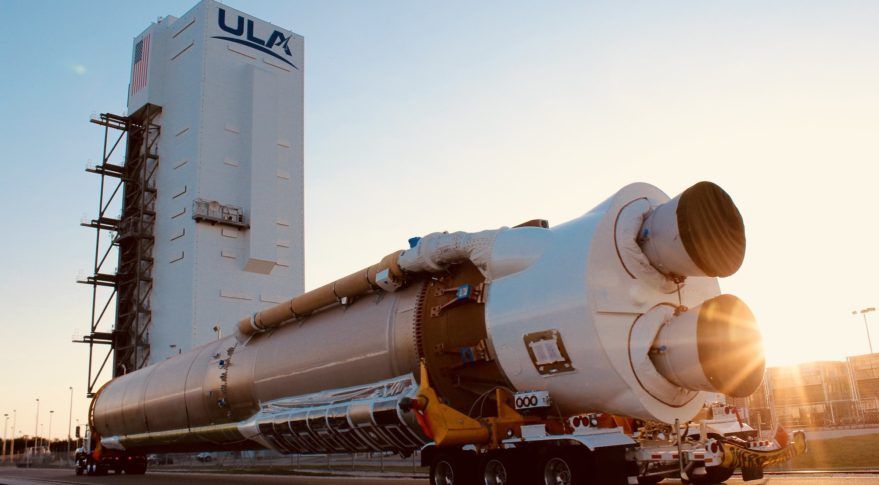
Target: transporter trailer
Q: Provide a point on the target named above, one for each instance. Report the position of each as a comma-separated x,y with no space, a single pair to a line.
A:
525,444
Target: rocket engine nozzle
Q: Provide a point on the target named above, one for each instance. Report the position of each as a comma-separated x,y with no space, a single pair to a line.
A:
715,347
698,233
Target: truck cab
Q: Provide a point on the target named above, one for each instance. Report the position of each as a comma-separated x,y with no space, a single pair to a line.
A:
93,459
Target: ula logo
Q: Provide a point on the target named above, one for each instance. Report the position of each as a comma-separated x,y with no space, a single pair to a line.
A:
251,40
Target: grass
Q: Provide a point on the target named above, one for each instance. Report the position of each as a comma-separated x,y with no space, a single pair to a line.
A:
852,452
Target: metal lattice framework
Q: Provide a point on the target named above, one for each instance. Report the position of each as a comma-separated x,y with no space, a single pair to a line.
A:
131,240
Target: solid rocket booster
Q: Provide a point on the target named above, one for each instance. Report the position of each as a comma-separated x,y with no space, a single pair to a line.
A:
617,311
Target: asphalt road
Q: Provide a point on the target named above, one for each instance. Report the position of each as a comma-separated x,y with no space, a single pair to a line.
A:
20,476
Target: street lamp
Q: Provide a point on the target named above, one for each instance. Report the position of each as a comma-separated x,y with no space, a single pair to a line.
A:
864,313
49,438
37,425
69,421
5,424
12,450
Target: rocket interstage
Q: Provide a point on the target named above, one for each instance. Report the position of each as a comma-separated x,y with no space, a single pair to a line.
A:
617,311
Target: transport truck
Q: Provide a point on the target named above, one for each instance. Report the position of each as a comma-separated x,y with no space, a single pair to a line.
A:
93,459
572,354
710,448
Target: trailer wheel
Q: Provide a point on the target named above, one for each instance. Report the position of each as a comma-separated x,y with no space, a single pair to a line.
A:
501,469
577,465
494,471
649,480
136,469
559,469
450,469
714,474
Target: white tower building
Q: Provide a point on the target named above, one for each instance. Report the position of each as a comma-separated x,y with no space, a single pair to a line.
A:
226,162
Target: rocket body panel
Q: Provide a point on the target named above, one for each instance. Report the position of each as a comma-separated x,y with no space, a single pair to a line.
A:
226,380
579,288
368,341
553,295
622,295
166,391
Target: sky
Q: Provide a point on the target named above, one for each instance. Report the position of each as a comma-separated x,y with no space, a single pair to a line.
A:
425,116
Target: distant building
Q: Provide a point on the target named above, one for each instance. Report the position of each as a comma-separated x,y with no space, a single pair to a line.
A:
825,393
865,376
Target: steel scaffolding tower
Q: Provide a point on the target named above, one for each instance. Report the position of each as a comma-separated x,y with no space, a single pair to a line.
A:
131,239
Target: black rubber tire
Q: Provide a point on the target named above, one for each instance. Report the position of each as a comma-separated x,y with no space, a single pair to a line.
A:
452,468
714,474
136,469
513,472
607,466
649,480
564,467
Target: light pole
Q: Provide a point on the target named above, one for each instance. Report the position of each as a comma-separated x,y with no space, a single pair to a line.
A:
864,313
37,423
36,432
12,450
49,438
5,424
69,421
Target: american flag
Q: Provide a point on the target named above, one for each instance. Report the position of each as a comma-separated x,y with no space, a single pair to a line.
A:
141,61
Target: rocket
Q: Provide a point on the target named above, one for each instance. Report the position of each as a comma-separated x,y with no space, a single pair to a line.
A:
617,311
